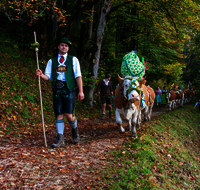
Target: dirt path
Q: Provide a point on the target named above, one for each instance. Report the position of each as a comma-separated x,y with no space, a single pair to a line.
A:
26,164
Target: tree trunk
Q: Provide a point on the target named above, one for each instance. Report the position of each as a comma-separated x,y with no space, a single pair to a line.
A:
100,33
91,24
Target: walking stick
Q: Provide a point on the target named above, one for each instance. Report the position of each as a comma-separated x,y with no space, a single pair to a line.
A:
36,51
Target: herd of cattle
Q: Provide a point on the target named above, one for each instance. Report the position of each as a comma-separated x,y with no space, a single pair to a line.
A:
134,99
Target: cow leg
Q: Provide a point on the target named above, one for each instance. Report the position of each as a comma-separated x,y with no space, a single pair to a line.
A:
170,106
119,121
150,111
138,123
134,123
145,113
182,101
174,107
128,128
139,120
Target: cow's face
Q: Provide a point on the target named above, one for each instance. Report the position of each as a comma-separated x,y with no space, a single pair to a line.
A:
131,89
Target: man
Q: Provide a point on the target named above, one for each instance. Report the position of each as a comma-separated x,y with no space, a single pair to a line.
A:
190,85
64,71
105,87
197,103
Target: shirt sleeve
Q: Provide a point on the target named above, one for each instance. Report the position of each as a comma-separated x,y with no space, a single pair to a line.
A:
48,70
196,104
76,67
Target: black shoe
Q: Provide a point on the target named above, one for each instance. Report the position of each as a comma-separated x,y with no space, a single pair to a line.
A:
110,115
59,142
75,135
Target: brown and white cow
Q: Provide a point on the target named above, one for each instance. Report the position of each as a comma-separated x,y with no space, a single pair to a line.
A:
171,99
147,101
152,96
127,103
179,98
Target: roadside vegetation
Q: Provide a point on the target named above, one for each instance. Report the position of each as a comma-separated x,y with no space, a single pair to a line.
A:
166,155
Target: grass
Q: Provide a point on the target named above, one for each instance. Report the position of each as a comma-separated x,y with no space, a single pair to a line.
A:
165,157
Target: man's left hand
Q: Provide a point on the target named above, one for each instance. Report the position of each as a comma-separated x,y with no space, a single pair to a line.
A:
80,96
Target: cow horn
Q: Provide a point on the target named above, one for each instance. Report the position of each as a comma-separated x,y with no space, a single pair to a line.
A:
143,79
121,80
119,77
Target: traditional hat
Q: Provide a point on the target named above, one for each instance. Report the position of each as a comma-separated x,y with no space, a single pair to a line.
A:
65,40
131,66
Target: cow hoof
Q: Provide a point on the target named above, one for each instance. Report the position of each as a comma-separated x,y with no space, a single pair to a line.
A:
121,130
137,126
134,135
128,129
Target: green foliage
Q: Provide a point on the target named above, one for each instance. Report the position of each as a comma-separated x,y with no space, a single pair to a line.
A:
159,159
88,80
157,30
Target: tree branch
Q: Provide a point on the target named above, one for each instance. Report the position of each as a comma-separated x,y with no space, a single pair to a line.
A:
169,16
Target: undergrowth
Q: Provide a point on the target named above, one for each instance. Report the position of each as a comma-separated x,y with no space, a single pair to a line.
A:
165,157
20,99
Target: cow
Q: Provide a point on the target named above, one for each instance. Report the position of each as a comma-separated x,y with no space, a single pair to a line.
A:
171,99
152,96
147,101
179,97
127,103
144,106
187,95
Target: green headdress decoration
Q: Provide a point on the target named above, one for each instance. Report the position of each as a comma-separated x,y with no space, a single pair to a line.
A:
131,66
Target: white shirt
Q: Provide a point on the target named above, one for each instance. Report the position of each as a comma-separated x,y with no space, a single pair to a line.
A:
61,76
106,82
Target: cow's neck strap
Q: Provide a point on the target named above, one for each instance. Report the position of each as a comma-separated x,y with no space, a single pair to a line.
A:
142,104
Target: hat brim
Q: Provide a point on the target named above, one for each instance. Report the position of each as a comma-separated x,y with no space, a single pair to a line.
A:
65,43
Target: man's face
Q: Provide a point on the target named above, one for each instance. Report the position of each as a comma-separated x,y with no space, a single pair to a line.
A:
63,48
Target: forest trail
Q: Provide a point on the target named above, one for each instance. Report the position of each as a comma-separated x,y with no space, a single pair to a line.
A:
26,163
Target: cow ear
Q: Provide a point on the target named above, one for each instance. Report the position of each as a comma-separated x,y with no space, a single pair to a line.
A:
121,80
143,80
140,83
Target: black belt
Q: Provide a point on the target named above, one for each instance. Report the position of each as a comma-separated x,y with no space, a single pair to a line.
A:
60,84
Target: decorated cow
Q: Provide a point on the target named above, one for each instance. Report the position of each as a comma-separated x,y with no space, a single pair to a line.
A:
127,103
131,95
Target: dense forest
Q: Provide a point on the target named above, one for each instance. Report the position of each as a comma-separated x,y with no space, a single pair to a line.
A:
164,33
